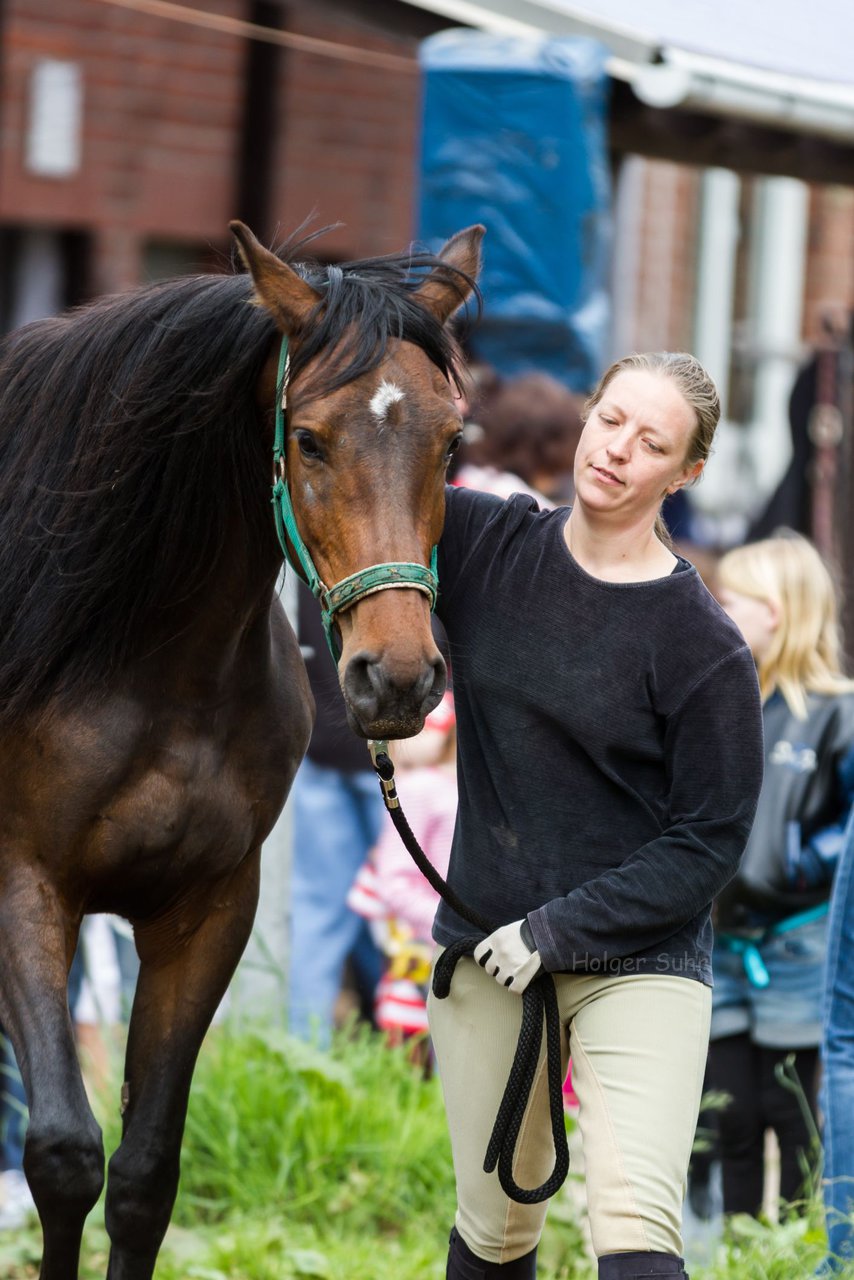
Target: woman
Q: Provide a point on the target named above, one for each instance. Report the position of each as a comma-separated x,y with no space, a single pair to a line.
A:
771,944
609,762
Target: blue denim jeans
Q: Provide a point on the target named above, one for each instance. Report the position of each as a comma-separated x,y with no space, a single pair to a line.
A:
785,1014
337,818
13,1109
837,1101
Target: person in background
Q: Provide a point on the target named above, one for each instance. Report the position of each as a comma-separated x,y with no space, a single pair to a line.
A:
99,1010
16,1200
520,437
771,920
391,891
610,758
824,383
338,810
837,1051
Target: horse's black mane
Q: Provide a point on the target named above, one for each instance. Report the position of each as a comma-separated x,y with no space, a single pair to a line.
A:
129,434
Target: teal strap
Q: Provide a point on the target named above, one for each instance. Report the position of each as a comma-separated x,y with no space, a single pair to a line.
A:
365,582
380,577
754,965
283,509
281,400
286,528
803,917
749,949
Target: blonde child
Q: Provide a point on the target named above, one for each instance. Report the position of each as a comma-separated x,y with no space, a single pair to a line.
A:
771,920
391,890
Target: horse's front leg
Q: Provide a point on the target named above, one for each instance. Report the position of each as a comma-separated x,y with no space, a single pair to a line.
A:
176,998
63,1152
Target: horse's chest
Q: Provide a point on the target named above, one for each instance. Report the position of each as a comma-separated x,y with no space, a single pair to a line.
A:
187,813
170,811
198,803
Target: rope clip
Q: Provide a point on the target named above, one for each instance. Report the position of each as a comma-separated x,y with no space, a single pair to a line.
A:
384,768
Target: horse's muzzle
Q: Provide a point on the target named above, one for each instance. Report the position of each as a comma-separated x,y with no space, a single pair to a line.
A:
382,703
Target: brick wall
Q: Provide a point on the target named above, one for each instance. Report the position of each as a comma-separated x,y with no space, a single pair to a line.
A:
668,224
666,260
163,127
348,146
830,264
161,113
162,138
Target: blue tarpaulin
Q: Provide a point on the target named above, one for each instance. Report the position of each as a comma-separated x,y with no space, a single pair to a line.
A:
514,136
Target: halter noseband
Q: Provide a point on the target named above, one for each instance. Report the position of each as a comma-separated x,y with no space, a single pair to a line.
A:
365,582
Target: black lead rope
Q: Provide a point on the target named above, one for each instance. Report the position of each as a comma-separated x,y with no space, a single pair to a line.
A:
539,1001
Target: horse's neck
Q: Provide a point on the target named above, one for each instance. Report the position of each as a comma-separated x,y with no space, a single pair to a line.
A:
222,638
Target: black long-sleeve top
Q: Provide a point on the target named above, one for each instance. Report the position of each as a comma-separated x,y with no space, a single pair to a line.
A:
610,746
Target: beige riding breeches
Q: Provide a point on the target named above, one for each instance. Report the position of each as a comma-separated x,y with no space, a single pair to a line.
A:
638,1044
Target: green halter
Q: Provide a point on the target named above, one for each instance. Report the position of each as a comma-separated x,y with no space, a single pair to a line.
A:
344,594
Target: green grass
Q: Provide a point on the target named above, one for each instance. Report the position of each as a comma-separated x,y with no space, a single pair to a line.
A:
355,1134
760,1251
301,1165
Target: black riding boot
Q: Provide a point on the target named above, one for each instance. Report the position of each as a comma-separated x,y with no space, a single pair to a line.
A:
465,1265
640,1266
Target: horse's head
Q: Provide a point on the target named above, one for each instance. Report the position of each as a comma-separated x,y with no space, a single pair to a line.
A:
372,419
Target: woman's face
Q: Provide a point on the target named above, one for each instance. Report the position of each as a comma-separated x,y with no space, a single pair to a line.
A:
756,619
633,447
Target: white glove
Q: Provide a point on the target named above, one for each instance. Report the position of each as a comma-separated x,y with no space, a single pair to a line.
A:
506,956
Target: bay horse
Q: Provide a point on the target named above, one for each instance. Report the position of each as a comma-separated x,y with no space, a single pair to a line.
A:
153,703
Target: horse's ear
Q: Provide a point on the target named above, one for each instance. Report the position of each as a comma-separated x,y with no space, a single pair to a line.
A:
443,293
287,297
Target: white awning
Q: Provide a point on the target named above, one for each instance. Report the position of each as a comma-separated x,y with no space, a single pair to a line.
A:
782,63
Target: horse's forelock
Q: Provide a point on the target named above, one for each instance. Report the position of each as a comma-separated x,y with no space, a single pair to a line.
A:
364,305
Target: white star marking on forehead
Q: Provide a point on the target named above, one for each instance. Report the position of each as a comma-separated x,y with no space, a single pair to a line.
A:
386,394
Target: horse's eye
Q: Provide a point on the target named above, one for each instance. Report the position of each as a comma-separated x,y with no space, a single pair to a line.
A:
454,445
308,446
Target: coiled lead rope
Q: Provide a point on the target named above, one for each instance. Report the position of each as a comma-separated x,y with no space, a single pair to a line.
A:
539,1002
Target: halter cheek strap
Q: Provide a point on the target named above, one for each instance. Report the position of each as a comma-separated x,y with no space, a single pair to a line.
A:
350,590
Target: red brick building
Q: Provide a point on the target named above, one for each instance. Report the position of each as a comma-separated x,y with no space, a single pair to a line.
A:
128,139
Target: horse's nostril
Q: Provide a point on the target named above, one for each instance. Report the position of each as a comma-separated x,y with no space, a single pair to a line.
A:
437,679
363,684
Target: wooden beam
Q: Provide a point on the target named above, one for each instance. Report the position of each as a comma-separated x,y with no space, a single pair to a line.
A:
687,137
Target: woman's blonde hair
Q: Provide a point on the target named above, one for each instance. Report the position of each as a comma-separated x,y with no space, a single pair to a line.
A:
696,387
804,656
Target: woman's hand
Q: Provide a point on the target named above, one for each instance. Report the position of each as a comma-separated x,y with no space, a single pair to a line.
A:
509,958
